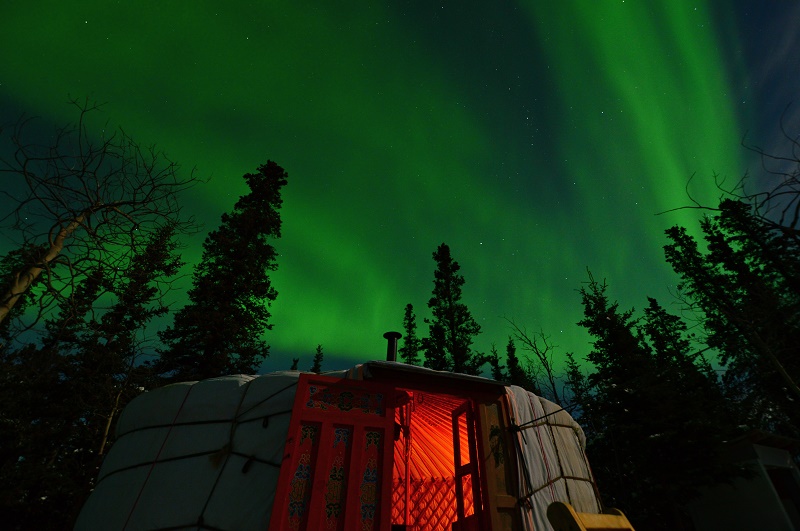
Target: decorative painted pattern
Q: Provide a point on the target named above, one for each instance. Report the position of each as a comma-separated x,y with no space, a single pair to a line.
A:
336,486
341,435
300,487
369,489
334,493
353,400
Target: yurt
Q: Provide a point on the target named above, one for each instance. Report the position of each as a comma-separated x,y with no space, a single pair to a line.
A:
384,446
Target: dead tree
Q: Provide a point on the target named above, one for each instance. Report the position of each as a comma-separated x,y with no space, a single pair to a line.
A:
542,366
774,197
86,199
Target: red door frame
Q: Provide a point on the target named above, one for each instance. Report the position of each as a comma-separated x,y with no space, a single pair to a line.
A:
323,406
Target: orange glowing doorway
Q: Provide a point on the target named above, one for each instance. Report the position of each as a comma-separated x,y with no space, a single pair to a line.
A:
435,477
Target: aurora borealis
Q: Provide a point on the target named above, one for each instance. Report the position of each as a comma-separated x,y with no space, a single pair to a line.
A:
537,139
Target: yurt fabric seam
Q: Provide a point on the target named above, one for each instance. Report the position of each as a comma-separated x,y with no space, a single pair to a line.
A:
203,422
539,422
544,459
558,460
153,464
226,451
267,399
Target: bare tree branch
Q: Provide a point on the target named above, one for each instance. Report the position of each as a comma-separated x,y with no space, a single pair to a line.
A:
87,199
779,204
542,366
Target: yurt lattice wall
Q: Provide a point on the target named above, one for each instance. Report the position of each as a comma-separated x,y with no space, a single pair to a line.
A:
423,482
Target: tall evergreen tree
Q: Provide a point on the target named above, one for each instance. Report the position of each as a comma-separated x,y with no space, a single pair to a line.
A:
652,411
518,374
114,349
318,356
451,329
412,345
515,372
747,286
498,372
220,330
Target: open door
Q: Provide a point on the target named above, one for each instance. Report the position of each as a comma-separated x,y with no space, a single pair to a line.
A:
336,471
466,467
500,467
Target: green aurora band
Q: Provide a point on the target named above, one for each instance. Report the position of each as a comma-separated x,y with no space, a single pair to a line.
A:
537,141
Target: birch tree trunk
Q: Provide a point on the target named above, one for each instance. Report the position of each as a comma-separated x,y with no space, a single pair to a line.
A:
24,279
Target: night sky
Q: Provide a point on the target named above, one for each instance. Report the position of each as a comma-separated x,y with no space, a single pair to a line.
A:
537,139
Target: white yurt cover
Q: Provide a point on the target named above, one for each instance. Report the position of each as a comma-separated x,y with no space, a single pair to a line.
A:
551,459
172,467
207,455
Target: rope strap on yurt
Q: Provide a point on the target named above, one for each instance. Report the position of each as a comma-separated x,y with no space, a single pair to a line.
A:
263,400
538,422
558,460
537,425
219,457
518,439
153,464
552,481
533,423
264,419
225,452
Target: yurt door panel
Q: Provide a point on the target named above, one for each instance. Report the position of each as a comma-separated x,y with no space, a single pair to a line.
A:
499,467
467,480
339,446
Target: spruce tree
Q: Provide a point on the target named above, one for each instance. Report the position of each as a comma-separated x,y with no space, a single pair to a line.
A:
47,463
514,372
746,285
518,374
318,356
451,329
220,331
412,345
651,409
493,359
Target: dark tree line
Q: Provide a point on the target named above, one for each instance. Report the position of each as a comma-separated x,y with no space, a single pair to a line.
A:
96,225
656,411
652,409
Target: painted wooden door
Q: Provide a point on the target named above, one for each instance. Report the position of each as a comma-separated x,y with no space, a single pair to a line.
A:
467,477
499,481
337,467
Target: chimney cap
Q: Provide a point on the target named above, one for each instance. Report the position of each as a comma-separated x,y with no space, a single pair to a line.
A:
392,335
